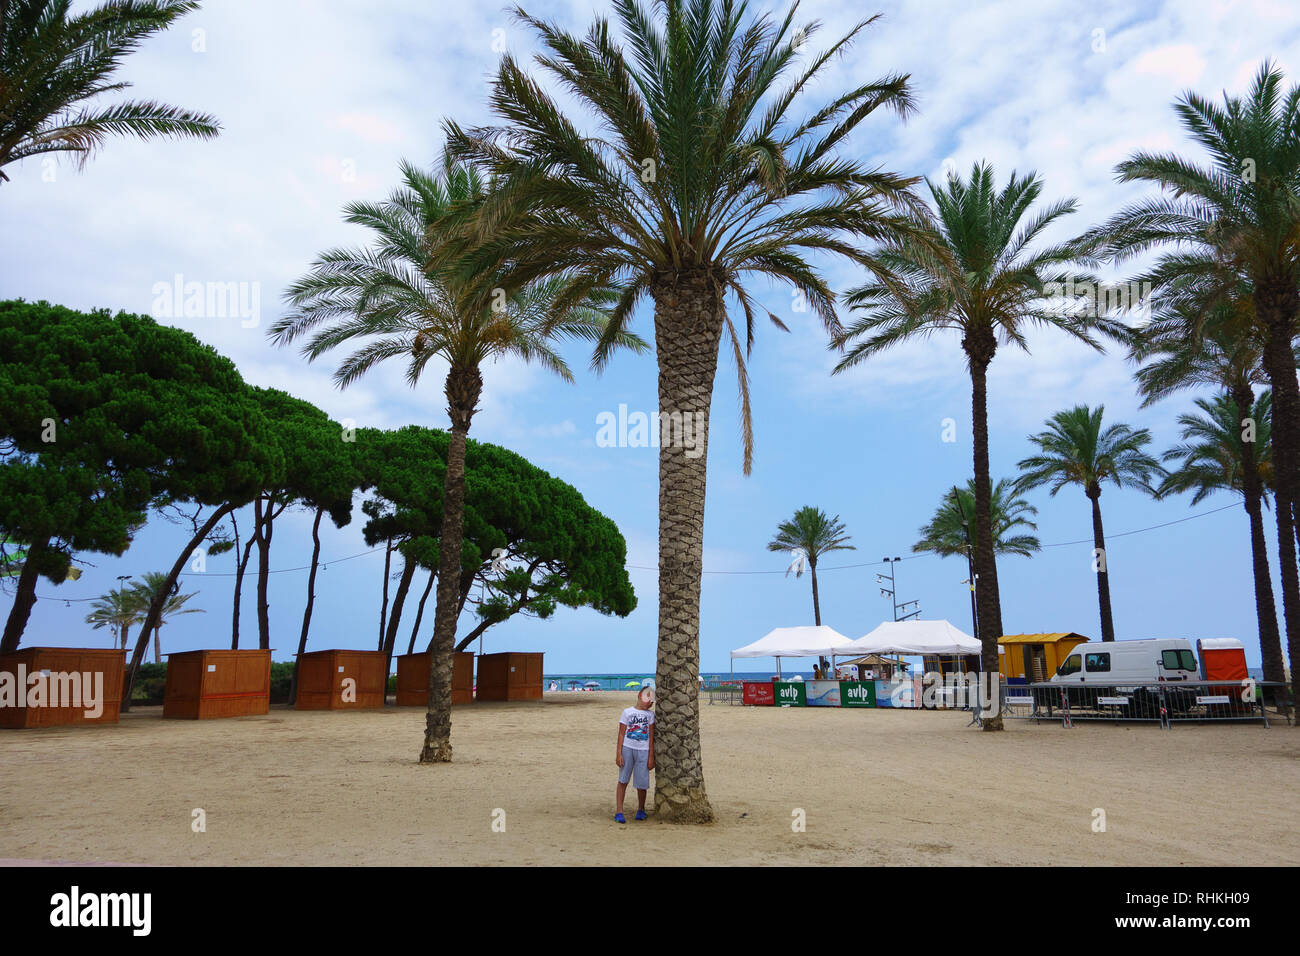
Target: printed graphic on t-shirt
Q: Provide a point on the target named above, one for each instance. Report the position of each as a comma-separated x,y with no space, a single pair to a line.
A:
638,724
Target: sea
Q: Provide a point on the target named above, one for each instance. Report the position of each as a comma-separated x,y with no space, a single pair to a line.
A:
634,679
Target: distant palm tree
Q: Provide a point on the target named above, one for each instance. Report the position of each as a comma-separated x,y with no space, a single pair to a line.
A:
1202,336
951,530
811,534
146,590
118,609
983,272
1241,213
1215,457
700,166
1076,450
390,302
52,64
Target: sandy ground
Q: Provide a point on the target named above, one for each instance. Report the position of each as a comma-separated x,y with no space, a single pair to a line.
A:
875,786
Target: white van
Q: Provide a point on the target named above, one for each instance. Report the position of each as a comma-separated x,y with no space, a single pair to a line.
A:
1128,663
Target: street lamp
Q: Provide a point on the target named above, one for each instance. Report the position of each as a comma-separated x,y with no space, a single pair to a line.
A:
891,591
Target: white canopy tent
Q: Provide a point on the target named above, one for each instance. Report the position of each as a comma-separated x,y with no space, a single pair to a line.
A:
915,637
809,641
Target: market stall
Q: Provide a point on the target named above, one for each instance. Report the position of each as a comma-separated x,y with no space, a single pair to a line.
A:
809,641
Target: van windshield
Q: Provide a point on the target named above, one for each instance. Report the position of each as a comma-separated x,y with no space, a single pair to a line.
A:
1072,665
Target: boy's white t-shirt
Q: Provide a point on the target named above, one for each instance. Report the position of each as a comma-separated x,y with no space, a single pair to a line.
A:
638,724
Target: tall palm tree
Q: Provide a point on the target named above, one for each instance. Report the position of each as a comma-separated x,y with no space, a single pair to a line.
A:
119,609
811,534
1200,336
1076,450
982,271
391,302
1213,457
1242,209
147,589
52,64
695,176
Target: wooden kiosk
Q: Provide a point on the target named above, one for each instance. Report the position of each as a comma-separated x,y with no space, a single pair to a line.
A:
341,680
63,676
413,679
207,684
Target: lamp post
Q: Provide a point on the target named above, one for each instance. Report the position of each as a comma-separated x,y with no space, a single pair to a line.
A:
891,592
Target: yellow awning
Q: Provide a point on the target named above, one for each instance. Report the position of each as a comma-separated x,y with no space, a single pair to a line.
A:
1040,638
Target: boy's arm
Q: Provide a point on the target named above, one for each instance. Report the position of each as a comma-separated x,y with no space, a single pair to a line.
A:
650,757
618,746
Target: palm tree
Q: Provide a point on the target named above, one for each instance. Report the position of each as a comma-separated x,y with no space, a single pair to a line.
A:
1201,337
809,535
982,272
118,609
1215,457
1241,212
52,64
391,302
1076,450
695,176
146,590
949,531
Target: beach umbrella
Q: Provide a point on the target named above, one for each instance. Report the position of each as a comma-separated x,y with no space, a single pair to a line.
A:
592,683
633,683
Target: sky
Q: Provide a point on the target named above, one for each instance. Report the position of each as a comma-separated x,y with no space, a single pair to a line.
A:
318,104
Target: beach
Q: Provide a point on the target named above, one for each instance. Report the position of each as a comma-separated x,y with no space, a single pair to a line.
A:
533,783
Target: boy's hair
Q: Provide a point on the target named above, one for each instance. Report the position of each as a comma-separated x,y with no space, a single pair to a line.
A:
646,694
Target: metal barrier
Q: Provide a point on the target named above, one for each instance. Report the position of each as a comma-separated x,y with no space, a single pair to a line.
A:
727,692
1163,702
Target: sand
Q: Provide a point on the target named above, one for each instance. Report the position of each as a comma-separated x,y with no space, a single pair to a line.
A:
875,787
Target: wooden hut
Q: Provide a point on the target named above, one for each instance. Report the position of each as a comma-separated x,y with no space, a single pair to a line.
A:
341,680
509,676
211,683
67,680
1035,657
413,679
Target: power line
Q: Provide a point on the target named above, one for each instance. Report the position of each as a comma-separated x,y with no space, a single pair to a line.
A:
647,567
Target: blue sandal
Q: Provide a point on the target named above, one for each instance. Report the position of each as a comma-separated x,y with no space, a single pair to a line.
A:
619,818
640,815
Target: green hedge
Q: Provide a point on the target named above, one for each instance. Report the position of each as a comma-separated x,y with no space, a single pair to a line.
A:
151,683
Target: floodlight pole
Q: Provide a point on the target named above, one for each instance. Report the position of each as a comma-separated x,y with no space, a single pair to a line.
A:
892,590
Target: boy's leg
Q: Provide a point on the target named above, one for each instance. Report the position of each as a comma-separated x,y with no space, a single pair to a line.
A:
640,800
619,792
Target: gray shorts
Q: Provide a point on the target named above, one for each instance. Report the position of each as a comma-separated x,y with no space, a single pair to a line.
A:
634,768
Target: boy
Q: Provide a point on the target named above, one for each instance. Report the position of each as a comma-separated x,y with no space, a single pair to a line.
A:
635,751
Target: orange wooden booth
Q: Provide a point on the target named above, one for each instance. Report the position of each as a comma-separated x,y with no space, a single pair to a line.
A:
57,665
212,683
321,675
509,676
413,679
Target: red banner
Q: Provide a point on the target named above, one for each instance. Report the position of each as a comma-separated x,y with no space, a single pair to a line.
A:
759,694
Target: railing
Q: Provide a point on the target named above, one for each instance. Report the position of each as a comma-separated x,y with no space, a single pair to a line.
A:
1162,702
726,692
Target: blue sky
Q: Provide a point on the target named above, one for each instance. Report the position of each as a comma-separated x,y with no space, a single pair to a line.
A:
318,105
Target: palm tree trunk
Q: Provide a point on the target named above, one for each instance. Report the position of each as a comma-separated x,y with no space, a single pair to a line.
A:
980,346
240,568
1103,564
311,601
419,611
154,615
157,646
24,598
1276,306
817,607
1270,640
688,327
464,386
125,631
